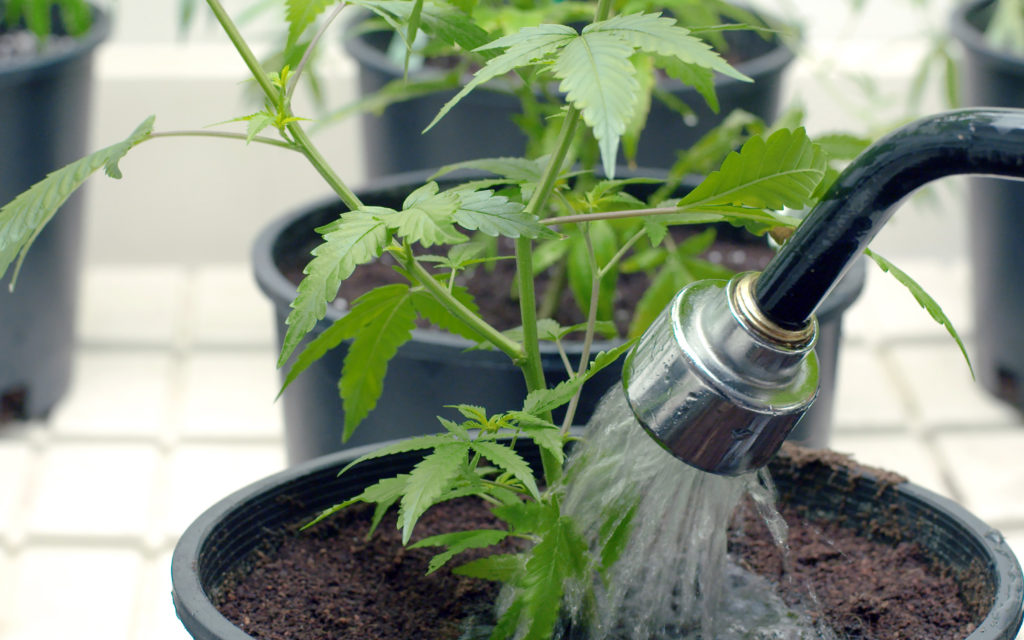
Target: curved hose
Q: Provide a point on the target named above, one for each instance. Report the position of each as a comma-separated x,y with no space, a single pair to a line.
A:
864,197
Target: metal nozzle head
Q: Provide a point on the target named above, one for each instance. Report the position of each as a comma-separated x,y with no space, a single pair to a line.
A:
716,383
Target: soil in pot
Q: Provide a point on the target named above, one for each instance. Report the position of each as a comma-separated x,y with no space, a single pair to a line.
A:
334,583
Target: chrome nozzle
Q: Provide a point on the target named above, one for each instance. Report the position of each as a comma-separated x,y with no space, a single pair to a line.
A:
718,384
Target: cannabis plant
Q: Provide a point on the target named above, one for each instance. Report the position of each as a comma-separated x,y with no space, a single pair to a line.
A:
528,200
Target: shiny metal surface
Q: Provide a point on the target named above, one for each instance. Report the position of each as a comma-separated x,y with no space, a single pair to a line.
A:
712,387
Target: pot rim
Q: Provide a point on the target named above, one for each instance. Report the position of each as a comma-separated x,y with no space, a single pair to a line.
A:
30,66
202,619
964,29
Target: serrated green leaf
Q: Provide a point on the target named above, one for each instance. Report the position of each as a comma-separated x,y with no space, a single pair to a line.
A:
507,459
522,48
457,543
614,535
340,330
502,567
513,169
653,33
560,555
429,479
373,346
700,78
22,219
496,215
355,238
451,26
429,307
527,516
782,171
544,434
541,401
842,146
427,217
419,443
925,300
384,493
300,14
598,78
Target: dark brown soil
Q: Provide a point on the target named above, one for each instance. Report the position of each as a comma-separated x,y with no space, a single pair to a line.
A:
331,583
334,584
865,589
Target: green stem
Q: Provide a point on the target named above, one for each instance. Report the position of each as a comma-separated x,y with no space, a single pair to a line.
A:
588,337
319,163
284,144
500,341
758,215
275,97
250,59
621,253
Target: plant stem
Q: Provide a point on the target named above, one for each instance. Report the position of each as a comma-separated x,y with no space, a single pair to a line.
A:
308,53
284,144
756,215
500,341
588,337
273,95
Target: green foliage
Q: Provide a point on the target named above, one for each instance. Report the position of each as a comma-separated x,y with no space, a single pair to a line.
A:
22,219
924,299
594,67
75,16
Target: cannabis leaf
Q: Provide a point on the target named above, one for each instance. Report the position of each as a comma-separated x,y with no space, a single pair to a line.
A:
654,33
599,80
782,171
596,73
522,48
496,215
355,238
458,542
300,14
507,459
560,555
542,401
427,217
384,493
428,481
22,219
387,317
449,25
926,301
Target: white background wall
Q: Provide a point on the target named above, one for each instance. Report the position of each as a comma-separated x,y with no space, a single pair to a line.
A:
198,200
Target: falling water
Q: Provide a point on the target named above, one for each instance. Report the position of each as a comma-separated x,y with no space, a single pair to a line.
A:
674,578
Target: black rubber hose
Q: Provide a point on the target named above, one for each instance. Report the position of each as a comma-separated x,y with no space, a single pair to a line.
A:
865,195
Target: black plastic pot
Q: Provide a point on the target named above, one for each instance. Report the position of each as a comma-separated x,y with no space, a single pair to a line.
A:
995,227
437,369
44,108
481,125
220,539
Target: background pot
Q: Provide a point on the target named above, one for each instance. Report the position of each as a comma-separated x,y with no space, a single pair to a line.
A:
481,126
996,226
44,107
435,368
221,538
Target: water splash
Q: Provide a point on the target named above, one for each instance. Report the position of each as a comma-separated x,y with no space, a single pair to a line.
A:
673,578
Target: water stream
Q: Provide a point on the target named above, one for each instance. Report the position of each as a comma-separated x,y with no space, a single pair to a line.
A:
674,578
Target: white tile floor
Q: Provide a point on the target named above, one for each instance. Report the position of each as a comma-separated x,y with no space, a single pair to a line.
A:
172,408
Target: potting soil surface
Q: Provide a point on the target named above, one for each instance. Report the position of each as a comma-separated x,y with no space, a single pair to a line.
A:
332,582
